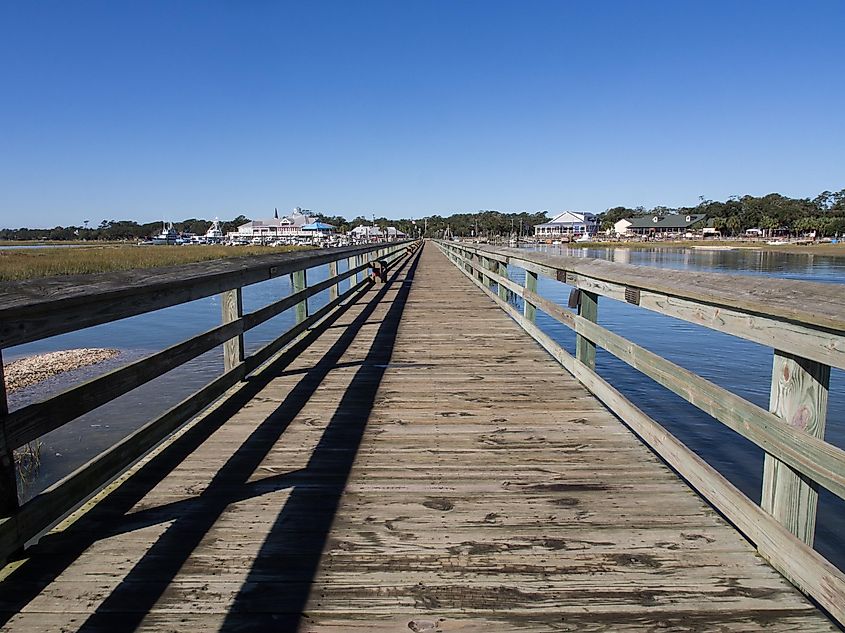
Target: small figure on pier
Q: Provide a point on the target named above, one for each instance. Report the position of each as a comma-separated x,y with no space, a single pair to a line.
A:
378,271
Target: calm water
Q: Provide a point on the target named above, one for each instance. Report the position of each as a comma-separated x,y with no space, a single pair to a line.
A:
737,365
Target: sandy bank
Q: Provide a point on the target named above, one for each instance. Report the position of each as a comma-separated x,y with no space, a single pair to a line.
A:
31,370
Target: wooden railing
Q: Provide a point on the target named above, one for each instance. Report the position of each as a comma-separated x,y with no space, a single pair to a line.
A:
38,309
803,322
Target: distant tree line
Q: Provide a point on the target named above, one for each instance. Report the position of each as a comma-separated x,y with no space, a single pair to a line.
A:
480,223
116,230
824,214
485,223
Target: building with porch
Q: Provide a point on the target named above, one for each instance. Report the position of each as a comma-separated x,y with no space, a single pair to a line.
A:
672,224
368,233
568,223
287,229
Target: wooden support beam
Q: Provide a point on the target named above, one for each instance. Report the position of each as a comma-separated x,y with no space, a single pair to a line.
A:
799,396
8,481
334,290
502,269
529,310
300,282
351,263
585,349
490,264
476,258
232,306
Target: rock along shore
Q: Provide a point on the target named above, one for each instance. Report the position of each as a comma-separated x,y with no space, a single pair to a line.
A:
32,370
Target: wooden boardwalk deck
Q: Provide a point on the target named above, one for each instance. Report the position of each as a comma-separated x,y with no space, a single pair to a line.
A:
422,466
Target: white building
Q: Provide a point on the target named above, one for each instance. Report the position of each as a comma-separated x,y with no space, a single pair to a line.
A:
286,229
571,223
622,227
365,233
392,234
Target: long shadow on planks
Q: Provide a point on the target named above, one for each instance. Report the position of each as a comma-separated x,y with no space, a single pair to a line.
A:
315,494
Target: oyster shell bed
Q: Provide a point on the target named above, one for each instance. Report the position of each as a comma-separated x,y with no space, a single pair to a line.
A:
25,372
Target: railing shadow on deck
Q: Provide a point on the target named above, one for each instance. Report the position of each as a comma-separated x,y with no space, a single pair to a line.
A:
329,466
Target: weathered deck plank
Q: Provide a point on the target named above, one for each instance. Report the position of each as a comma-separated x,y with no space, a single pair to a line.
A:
422,466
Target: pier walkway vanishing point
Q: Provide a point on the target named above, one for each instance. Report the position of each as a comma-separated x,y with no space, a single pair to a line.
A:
416,462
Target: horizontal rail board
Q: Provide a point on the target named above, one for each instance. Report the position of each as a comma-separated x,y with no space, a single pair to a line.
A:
806,302
37,419
801,317
799,562
48,507
34,420
36,309
259,357
277,307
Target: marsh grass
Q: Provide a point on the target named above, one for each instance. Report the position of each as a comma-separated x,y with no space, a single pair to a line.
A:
27,464
19,264
61,242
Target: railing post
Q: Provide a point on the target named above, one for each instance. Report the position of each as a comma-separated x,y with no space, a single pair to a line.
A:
300,282
350,264
231,303
8,480
485,264
799,396
492,266
529,310
476,257
585,349
502,269
334,290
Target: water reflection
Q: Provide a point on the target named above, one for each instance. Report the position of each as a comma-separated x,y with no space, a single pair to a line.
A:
748,261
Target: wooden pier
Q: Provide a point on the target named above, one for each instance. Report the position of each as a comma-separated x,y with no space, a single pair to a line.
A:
410,460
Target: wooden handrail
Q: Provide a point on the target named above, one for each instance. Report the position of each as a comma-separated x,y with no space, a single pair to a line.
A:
782,528
810,303
20,523
801,317
38,308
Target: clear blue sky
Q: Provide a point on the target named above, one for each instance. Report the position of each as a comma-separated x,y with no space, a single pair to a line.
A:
150,110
